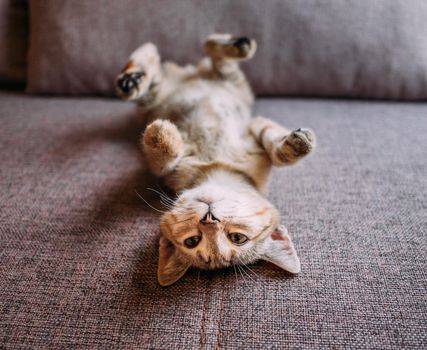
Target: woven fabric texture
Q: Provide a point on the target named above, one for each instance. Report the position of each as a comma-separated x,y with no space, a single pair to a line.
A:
79,248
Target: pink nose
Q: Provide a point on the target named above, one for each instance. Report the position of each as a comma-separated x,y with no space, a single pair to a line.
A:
209,219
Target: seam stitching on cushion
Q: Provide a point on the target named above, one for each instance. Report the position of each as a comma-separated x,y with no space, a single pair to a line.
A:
202,326
221,307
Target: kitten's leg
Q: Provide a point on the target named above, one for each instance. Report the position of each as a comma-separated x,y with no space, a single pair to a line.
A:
226,52
163,146
283,146
141,77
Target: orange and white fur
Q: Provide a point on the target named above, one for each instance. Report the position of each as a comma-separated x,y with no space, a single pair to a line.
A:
202,141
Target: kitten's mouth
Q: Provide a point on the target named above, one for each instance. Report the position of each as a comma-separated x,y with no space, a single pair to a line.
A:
205,200
213,264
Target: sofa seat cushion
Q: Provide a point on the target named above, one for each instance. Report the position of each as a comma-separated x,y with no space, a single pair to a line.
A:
79,247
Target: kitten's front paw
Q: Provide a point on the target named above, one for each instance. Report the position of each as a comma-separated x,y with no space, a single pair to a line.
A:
163,146
162,136
296,145
301,141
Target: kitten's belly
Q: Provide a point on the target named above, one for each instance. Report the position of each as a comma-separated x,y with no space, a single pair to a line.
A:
214,123
217,121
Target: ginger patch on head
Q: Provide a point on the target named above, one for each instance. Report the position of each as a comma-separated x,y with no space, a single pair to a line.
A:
276,236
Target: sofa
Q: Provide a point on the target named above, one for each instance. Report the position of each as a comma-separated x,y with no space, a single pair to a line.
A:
79,248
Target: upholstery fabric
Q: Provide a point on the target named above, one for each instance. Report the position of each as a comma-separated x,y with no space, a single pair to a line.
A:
13,42
79,248
359,48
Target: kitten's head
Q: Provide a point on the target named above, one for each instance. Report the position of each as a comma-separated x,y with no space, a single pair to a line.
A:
213,226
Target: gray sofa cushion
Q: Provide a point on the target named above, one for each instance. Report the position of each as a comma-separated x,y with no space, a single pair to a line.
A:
359,48
79,248
13,42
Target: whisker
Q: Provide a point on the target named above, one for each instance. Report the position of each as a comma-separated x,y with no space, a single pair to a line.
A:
152,207
161,190
238,216
251,271
241,274
250,274
166,205
247,274
242,271
166,201
162,195
235,273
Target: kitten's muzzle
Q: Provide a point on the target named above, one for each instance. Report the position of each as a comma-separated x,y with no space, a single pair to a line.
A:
127,82
209,219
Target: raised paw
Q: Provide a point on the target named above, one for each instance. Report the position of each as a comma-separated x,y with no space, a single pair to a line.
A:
163,136
141,74
128,83
242,47
301,141
296,145
225,46
163,146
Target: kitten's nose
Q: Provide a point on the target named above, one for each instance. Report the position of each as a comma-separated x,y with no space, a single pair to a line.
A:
209,218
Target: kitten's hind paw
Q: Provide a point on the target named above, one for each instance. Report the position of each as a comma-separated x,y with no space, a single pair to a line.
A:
225,46
301,141
127,83
141,74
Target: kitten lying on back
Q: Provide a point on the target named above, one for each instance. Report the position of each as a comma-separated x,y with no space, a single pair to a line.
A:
202,141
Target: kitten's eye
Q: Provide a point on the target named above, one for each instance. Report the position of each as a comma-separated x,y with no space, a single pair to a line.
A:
192,242
237,238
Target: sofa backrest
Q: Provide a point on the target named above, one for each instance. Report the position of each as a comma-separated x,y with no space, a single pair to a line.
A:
13,42
357,48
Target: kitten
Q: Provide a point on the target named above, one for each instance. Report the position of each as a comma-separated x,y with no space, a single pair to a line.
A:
202,141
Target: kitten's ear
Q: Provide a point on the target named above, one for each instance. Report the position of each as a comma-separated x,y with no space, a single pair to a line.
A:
170,268
280,251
